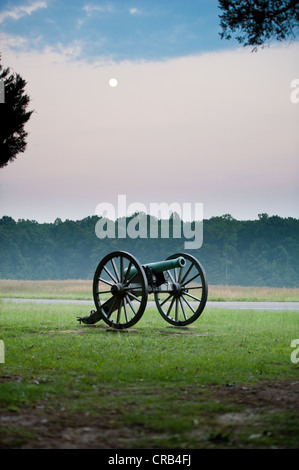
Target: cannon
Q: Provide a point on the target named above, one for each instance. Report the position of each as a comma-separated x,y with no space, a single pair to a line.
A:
121,286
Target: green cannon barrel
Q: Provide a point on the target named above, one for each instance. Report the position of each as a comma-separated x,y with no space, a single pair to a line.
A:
161,266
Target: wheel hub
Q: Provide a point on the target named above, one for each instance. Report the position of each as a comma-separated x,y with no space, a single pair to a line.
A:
177,289
118,290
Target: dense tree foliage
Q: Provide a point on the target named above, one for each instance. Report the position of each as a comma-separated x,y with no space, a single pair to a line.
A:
256,22
263,252
13,116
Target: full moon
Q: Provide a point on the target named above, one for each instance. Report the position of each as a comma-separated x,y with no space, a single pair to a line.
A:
113,82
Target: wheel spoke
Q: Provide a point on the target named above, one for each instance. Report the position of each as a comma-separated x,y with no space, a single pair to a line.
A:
192,297
119,311
134,296
121,268
170,307
165,300
125,309
190,280
186,273
171,277
127,273
106,282
180,275
131,305
115,269
188,304
131,279
109,274
176,309
195,287
183,310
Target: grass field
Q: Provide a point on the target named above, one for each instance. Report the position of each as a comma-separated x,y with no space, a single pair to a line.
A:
226,381
82,290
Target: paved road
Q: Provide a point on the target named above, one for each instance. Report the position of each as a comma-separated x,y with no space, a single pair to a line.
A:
279,306
255,305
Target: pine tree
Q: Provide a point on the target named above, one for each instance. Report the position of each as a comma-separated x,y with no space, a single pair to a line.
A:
257,21
13,116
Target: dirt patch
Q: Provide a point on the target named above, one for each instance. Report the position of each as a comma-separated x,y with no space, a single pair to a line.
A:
50,429
53,427
281,395
181,333
236,418
75,332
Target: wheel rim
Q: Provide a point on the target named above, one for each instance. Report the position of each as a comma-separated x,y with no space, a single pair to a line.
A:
120,289
186,302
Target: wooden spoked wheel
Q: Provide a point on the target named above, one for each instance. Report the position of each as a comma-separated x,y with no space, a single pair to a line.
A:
186,301
120,290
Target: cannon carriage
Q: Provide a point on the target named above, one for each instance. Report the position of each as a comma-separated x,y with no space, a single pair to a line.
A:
121,286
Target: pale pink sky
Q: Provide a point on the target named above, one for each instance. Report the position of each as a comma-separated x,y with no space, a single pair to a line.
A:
218,129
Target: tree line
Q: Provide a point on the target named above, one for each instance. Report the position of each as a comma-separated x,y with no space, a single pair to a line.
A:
262,252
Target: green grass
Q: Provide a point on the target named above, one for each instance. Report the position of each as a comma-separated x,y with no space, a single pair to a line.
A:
153,385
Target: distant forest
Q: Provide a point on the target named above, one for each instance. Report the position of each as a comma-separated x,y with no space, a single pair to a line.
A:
262,252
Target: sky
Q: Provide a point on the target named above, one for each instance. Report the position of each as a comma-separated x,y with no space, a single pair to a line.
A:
193,118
